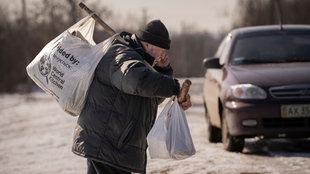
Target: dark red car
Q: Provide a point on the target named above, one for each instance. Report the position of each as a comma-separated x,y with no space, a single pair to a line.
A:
258,84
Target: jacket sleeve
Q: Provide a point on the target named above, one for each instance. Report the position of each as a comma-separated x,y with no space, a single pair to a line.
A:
130,74
166,70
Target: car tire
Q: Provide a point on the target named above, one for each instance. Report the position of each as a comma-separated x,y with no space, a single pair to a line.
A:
230,143
214,133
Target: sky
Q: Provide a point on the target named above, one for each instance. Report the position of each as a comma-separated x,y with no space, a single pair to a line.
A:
199,15
202,15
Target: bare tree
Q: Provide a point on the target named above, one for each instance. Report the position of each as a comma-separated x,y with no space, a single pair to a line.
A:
263,12
23,37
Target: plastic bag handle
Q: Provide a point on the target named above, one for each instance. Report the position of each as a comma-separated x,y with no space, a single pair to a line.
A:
106,27
184,90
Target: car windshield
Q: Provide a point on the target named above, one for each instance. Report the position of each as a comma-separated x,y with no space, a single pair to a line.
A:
271,49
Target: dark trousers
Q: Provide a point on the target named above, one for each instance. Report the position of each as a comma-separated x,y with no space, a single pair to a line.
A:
94,167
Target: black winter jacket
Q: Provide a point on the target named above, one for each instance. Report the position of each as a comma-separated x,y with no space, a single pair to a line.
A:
121,107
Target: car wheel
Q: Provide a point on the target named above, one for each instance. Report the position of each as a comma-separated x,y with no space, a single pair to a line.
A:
230,143
214,133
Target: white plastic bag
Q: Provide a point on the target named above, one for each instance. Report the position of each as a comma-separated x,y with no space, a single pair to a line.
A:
157,136
170,136
179,140
64,67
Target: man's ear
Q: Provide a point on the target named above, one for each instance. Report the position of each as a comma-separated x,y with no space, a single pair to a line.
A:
146,45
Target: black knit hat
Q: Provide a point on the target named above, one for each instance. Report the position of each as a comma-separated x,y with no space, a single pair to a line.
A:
155,33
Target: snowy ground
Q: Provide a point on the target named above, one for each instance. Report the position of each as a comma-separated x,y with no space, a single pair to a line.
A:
36,137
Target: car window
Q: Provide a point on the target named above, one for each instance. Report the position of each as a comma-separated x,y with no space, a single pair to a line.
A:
271,49
223,49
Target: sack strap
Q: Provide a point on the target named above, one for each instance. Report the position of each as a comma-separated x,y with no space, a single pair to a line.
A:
106,27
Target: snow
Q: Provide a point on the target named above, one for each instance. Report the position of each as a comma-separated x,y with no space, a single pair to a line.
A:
36,137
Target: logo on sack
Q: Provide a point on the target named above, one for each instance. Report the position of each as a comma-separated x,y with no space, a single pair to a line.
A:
45,66
67,55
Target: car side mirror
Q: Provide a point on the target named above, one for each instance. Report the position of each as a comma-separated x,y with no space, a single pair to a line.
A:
212,62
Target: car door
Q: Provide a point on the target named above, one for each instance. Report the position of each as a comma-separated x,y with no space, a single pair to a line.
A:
211,94
212,85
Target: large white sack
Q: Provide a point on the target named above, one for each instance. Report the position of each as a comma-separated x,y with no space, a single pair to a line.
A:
64,68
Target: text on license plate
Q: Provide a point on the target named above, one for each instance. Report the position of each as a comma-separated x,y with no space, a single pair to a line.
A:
295,111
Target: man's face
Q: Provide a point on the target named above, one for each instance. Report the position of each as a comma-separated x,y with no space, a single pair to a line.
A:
156,51
160,55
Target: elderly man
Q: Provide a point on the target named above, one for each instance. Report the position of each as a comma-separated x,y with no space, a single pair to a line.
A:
129,83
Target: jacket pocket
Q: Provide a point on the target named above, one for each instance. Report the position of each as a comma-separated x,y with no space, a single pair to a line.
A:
126,135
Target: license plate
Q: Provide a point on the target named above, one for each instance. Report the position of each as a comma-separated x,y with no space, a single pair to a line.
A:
290,111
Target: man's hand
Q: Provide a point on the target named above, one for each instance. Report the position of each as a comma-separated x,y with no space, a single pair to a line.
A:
187,103
162,61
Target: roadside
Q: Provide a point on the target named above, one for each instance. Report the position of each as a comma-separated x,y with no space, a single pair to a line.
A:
36,137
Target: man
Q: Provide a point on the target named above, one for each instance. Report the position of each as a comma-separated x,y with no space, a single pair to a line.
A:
129,83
